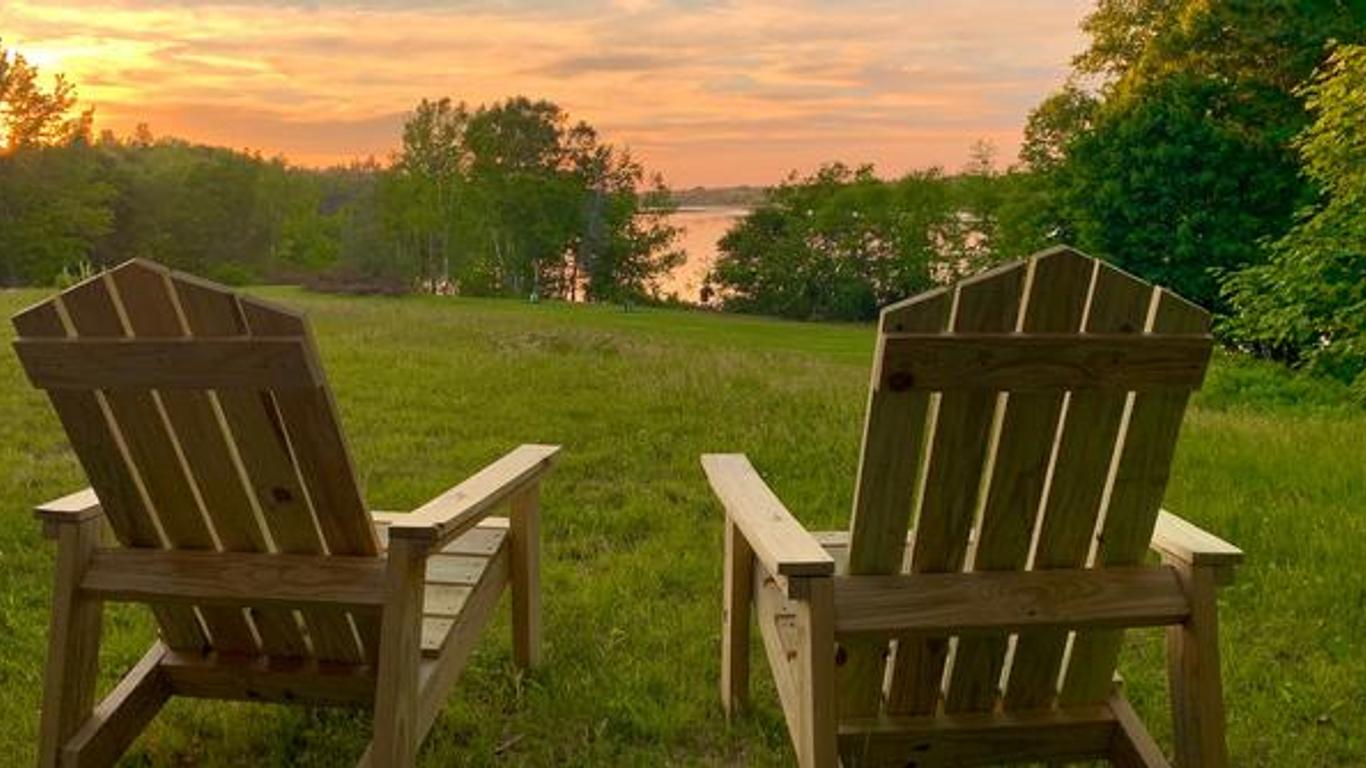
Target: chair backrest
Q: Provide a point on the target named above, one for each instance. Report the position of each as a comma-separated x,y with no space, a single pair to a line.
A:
203,422
1022,419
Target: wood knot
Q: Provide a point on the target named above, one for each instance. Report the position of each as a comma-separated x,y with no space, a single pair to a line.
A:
841,655
900,381
281,495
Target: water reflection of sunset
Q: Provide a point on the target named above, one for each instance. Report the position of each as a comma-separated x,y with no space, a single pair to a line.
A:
708,93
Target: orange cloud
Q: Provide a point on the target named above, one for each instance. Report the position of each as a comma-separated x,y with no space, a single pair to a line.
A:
706,92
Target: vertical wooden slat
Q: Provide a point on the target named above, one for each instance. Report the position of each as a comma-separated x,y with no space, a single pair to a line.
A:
987,303
1057,297
193,427
1135,498
137,428
1119,304
893,438
255,428
324,461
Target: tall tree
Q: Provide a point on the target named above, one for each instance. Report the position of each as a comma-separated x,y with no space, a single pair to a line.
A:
1170,150
426,194
1170,186
53,204
1308,303
512,198
32,116
840,243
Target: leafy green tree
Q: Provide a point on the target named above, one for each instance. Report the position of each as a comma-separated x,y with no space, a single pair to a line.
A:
513,199
1307,304
624,241
54,207
528,200
1054,124
230,215
1170,149
841,243
1173,189
423,199
31,116
53,203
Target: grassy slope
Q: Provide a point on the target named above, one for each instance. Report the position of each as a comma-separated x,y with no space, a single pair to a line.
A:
432,388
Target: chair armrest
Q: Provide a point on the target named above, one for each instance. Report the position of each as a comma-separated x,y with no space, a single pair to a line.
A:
73,508
778,540
461,508
1183,541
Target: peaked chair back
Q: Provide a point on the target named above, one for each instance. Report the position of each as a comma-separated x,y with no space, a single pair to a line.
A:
1024,419
203,422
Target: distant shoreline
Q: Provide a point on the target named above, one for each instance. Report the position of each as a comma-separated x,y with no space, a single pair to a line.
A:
718,208
725,197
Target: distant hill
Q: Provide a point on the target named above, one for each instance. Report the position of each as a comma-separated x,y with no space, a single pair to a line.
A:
744,196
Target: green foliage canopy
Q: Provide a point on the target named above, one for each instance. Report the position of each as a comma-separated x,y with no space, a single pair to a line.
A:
512,198
1170,151
841,243
1307,304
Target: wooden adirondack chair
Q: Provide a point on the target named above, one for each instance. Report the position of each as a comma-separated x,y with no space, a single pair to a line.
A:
215,457
1025,421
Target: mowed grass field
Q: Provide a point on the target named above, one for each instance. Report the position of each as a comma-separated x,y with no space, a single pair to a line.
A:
432,388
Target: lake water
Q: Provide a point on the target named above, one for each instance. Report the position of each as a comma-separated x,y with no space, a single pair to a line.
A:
702,230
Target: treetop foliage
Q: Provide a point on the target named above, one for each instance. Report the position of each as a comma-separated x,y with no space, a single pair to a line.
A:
31,116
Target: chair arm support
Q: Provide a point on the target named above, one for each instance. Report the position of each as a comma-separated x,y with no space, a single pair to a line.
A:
1183,541
459,509
778,540
72,508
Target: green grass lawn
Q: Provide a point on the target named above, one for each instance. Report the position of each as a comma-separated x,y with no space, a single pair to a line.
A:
430,389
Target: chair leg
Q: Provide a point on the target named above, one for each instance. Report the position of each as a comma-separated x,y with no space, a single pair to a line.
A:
735,615
396,689
1133,746
73,643
122,715
816,675
1193,674
525,542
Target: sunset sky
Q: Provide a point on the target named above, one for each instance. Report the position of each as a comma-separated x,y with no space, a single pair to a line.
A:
708,93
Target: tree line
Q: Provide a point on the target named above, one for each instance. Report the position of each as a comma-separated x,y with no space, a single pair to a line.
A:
511,198
1217,147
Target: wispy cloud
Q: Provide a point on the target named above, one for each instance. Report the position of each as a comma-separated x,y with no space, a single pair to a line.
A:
707,91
